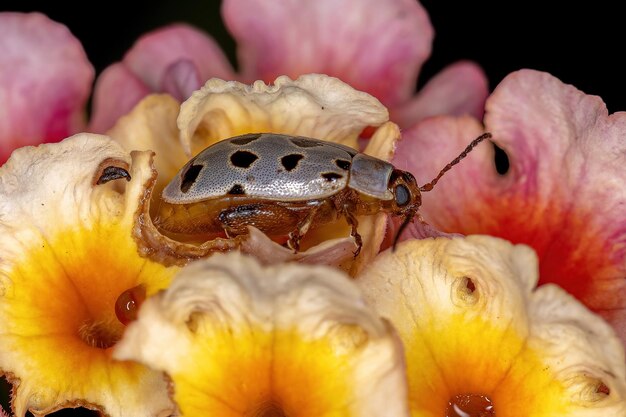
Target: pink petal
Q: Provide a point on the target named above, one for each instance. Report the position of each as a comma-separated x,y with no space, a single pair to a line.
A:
565,191
154,53
45,80
414,230
376,46
458,89
181,79
176,59
117,91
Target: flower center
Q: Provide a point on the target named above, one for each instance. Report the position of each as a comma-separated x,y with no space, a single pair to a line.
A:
268,409
100,334
470,405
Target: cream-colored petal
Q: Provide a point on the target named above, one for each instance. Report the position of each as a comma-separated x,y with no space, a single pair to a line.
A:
581,348
334,252
151,125
314,105
239,339
66,255
382,144
473,323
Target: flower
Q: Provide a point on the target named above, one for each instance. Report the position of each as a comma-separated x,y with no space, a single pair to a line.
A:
379,50
239,339
314,106
293,39
563,194
481,339
71,274
40,105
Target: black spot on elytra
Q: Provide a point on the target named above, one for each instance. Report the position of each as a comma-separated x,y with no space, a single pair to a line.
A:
243,159
331,176
189,177
343,164
291,161
236,189
112,173
245,139
305,143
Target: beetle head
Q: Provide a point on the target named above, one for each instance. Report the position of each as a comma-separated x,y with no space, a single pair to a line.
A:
406,193
407,198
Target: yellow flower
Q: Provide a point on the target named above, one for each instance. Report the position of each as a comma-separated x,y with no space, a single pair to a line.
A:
239,339
479,337
314,105
67,260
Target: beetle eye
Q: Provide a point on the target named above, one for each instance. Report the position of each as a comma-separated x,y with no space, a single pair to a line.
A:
403,195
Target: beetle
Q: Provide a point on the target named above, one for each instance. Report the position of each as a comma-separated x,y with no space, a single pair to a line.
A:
286,185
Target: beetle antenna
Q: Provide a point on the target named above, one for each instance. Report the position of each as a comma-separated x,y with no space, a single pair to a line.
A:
408,219
429,186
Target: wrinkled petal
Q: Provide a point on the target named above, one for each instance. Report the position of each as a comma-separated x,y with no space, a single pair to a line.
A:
564,192
375,47
314,105
332,252
176,58
457,90
40,105
239,339
475,329
67,261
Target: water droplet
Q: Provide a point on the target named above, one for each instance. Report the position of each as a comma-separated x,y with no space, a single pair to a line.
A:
470,405
128,303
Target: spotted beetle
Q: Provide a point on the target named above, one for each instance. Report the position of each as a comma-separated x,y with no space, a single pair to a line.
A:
285,185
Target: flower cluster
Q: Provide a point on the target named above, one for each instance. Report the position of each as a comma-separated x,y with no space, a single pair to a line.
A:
101,308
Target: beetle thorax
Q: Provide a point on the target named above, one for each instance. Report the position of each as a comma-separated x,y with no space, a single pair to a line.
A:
370,176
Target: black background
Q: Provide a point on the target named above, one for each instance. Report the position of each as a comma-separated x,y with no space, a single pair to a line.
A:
581,44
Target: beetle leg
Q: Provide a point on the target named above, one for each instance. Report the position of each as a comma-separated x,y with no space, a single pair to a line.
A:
295,236
303,227
354,223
